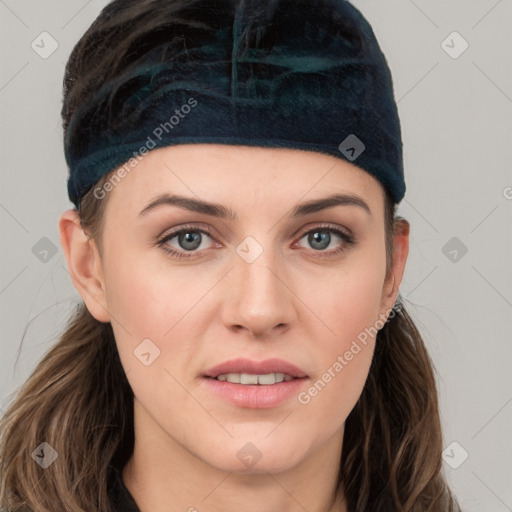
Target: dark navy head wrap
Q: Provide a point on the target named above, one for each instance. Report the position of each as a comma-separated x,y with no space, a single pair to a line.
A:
304,74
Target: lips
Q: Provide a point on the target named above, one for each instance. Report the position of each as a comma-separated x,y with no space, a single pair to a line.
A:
249,366
254,384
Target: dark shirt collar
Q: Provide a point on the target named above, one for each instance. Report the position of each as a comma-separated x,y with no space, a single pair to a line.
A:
120,497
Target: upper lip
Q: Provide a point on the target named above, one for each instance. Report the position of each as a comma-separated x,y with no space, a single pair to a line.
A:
242,365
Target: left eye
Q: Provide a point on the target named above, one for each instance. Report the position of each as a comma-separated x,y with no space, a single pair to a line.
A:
320,238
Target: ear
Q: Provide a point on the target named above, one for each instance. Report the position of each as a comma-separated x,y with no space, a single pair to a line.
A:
84,264
400,252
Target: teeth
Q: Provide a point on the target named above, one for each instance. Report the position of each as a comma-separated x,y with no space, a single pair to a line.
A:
247,378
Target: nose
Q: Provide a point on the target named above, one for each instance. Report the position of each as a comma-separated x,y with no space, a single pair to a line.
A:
260,297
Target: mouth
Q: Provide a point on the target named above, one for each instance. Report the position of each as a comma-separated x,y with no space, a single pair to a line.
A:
266,379
247,371
255,384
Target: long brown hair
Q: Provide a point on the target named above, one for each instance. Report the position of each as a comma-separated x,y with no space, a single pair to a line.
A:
79,401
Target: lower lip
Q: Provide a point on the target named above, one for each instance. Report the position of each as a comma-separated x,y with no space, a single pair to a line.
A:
255,396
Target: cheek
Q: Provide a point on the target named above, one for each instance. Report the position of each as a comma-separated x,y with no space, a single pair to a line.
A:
133,297
348,306
149,299
346,300
141,303
142,295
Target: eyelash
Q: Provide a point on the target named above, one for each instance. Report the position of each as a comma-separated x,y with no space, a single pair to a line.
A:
324,228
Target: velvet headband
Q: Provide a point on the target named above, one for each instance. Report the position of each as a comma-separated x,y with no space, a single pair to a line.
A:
304,74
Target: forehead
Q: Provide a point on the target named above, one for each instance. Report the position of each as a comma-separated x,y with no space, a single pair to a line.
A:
236,174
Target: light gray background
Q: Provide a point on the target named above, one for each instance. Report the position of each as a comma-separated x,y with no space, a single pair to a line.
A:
456,116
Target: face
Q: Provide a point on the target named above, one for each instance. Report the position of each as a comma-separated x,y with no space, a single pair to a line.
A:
187,290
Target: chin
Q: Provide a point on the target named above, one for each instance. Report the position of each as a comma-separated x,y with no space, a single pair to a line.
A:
258,457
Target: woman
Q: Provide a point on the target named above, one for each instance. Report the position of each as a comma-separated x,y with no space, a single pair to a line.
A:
235,170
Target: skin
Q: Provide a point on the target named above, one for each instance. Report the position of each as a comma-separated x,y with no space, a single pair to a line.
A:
290,303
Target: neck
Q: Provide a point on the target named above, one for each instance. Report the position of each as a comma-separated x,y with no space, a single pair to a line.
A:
162,475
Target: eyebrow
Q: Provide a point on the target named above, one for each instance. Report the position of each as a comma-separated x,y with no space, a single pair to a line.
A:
220,211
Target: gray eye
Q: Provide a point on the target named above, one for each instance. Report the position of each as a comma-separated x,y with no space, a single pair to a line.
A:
319,239
189,240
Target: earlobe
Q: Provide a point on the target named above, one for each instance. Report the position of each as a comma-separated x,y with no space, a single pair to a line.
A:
84,265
